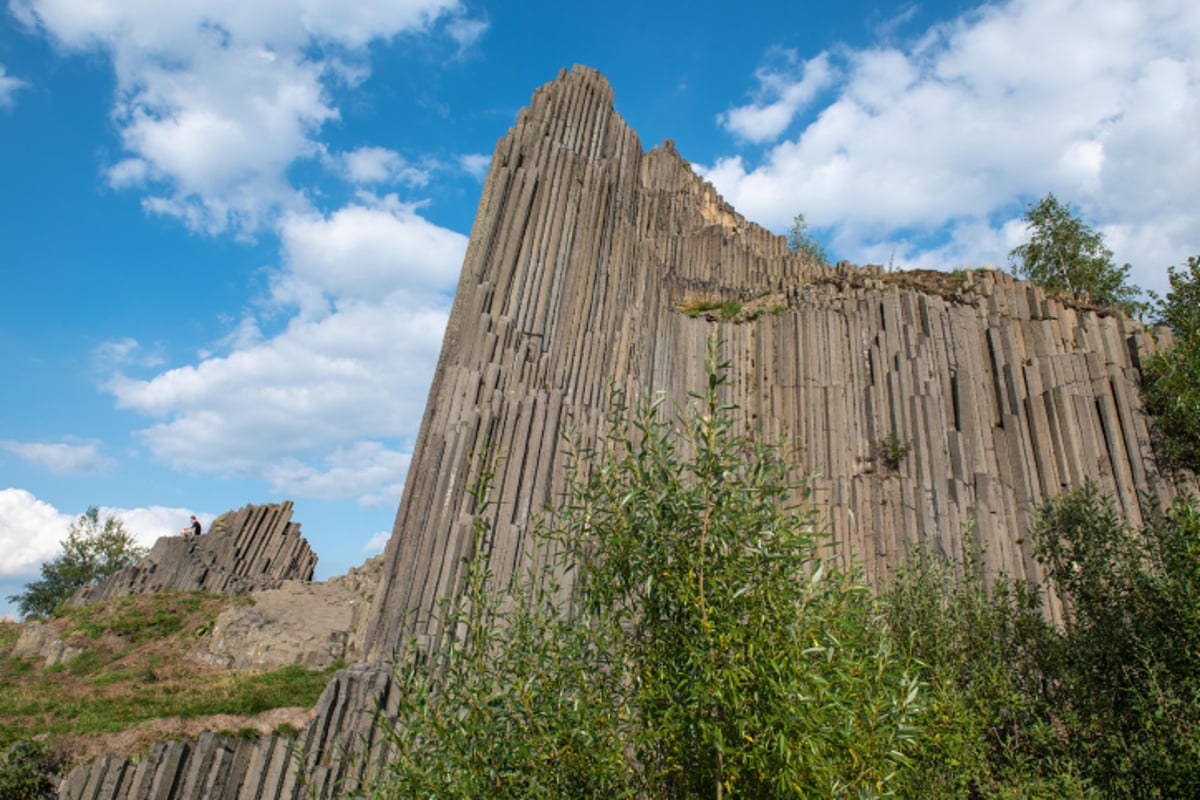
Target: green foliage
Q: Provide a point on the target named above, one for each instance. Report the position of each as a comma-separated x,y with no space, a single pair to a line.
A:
1129,690
890,451
800,240
988,730
27,772
1064,254
1171,378
516,700
91,552
706,648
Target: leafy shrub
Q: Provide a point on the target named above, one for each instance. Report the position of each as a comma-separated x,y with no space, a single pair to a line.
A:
705,649
27,772
1171,378
890,451
989,729
1130,683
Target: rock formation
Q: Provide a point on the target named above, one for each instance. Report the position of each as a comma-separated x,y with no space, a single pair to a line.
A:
299,622
253,548
586,251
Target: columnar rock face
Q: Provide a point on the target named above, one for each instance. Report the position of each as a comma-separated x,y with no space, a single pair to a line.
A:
585,250
253,548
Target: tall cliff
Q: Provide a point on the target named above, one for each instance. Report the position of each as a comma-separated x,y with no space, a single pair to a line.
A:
585,251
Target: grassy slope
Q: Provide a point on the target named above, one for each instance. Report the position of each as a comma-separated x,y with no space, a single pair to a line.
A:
134,680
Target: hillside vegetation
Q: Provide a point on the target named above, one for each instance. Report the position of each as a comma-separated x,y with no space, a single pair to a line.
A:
133,679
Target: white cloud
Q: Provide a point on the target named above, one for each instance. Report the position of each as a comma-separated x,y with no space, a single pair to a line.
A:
381,165
61,457
30,531
368,470
784,91
360,372
123,351
147,525
376,544
369,250
8,87
476,165
931,149
216,99
466,31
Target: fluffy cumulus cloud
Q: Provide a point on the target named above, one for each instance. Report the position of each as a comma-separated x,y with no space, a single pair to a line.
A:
926,152
376,248
8,87
216,99
31,530
328,406
61,457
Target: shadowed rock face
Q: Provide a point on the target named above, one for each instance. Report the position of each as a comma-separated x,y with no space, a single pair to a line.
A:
584,249
254,548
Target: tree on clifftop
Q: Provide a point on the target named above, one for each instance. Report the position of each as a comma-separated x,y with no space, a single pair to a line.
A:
1065,254
91,552
800,240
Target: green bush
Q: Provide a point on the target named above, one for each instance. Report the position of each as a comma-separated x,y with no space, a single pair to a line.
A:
989,728
27,772
705,649
1129,690
1171,378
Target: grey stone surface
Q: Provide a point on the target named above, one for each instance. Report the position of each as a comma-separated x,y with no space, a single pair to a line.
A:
300,622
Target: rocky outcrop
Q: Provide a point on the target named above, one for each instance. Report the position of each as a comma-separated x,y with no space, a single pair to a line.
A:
253,548
300,622
585,253
39,640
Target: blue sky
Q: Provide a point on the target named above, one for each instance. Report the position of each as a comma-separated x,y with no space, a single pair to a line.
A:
230,231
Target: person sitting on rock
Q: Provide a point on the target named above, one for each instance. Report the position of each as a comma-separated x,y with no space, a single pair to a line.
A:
191,531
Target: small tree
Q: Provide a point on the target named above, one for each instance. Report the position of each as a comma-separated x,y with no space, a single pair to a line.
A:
1171,378
91,552
800,240
1065,254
